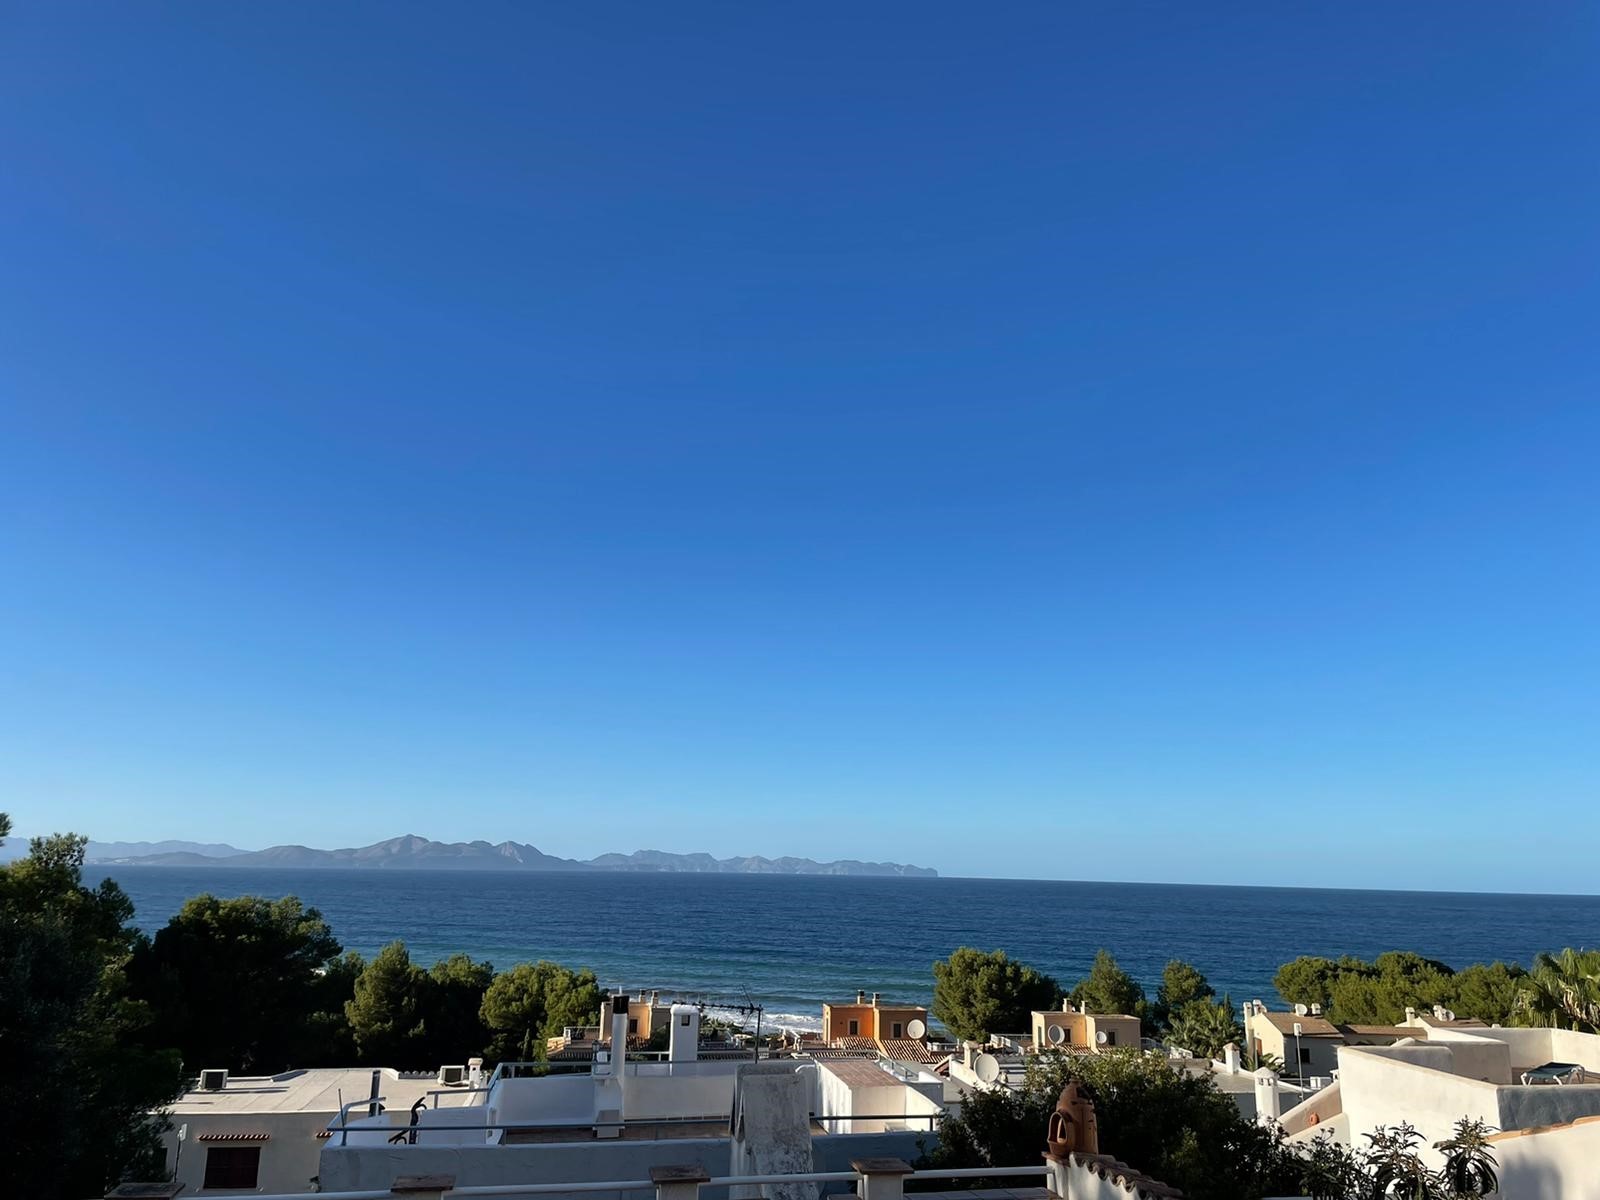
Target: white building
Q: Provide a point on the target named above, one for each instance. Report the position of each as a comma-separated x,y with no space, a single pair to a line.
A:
621,1119
1539,1087
239,1134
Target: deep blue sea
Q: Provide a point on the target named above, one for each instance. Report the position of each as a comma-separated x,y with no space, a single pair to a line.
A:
794,941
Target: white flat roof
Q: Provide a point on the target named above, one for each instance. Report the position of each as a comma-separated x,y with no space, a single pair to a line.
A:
317,1090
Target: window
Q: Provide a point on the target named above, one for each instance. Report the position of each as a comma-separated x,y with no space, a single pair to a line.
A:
232,1166
897,1030
684,1020
1305,1054
1111,1037
855,1028
633,1026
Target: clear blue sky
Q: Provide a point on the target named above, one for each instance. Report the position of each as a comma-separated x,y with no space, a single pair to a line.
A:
1088,440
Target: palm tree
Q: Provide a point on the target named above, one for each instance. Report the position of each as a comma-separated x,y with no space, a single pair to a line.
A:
1204,1028
1563,991
1253,1060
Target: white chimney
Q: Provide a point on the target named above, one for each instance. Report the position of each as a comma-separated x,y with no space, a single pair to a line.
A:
475,1072
876,996
1411,1015
861,996
1230,1058
619,1033
683,1045
1066,1004
1266,1096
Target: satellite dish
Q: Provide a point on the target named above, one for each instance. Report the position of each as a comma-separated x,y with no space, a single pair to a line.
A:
1300,1010
1055,1035
1100,1036
916,1028
1449,1015
987,1067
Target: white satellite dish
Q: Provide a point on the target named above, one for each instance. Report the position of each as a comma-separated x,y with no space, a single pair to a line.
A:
987,1067
1055,1035
1300,1010
916,1028
1449,1015
1100,1036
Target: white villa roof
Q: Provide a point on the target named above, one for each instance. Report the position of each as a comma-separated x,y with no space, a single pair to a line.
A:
315,1091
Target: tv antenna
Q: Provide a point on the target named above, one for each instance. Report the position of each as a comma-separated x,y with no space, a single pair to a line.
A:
745,1006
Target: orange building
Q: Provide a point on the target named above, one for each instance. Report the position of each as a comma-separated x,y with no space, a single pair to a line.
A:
646,1014
873,1020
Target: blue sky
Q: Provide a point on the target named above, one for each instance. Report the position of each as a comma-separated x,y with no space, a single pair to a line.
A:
1096,440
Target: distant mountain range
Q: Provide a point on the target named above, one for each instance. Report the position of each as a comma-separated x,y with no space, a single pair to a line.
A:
412,852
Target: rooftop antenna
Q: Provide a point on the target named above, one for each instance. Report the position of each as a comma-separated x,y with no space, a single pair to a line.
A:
744,1007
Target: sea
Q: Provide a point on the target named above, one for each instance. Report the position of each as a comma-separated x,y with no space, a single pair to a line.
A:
787,943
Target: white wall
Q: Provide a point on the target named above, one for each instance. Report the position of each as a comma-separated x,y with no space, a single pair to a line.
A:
289,1158
553,1098
1475,1056
1562,1163
571,1162
1383,1085
657,1098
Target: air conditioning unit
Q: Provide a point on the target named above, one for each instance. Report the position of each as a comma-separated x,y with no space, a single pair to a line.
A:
452,1076
213,1080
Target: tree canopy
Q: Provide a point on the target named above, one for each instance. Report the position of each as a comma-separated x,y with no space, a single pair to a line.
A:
1174,1127
241,983
977,993
1351,990
1107,988
79,1079
452,1018
533,1001
386,1010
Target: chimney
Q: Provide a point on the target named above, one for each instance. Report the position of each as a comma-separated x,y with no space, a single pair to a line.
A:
1066,1004
1230,1058
655,999
683,1043
1411,1015
876,996
861,996
1267,1099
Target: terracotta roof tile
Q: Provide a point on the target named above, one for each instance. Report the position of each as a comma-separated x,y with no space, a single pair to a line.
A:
907,1050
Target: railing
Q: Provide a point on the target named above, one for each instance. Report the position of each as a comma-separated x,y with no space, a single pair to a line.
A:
344,1127
875,1179
536,1068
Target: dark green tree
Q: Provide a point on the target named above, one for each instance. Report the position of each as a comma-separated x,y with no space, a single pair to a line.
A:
1107,988
329,1039
76,1070
1181,984
1378,992
387,1008
533,1001
453,1028
977,993
1488,991
239,983
1172,1126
